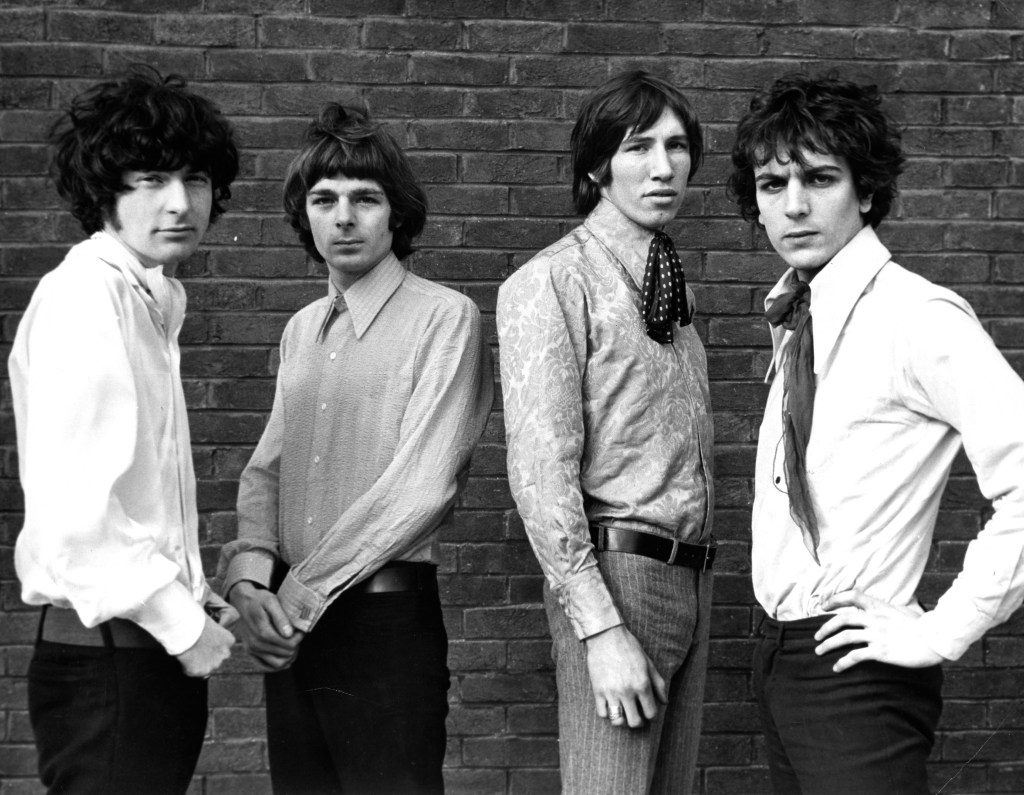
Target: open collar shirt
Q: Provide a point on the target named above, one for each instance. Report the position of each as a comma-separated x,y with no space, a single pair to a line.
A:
603,424
382,394
905,376
103,447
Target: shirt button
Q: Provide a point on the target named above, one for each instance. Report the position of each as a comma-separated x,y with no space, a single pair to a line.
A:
316,459
323,407
309,520
333,356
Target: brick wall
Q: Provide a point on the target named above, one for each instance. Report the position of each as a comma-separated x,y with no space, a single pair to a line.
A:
483,94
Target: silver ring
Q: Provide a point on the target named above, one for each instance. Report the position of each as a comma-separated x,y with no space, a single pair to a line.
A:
614,714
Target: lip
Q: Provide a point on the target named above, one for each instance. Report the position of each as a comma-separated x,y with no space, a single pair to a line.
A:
177,230
800,234
346,242
662,194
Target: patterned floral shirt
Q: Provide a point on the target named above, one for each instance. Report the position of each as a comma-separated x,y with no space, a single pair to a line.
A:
603,424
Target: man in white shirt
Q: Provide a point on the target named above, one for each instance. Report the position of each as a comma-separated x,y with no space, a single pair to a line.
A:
110,548
880,378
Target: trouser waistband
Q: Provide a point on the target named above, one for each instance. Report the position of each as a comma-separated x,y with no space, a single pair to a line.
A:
798,629
61,625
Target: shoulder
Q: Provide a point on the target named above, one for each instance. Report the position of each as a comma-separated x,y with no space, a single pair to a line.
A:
434,302
556,268
83,277
309,317
914,296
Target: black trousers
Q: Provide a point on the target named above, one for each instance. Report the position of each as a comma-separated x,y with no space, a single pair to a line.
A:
363,708
113,720
866,731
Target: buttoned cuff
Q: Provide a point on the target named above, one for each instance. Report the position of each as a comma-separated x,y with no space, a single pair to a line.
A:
302,605
588,603
173,617
950,629
254,565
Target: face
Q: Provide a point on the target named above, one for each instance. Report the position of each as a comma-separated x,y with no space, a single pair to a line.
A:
649,172
349,221
809,213
163,215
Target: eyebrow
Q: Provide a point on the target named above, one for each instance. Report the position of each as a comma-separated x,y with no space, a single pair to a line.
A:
355,192
811,171
645,136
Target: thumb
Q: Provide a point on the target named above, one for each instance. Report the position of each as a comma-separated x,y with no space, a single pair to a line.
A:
657,680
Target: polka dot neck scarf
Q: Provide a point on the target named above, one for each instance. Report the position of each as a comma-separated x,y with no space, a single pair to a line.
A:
664,290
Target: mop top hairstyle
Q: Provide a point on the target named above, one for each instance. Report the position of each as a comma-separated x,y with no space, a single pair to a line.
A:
342,141
824,115
140,122
631,101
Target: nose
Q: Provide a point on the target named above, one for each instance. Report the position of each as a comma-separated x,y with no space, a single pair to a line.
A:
343,212
796,199
660,163
178,199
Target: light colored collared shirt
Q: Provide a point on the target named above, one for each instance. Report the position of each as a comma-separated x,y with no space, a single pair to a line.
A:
103,447
603,424
382,394
905,375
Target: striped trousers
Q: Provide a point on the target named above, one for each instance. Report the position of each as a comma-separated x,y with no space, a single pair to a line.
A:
668,609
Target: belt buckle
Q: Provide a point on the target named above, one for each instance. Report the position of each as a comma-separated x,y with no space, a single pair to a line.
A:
675,551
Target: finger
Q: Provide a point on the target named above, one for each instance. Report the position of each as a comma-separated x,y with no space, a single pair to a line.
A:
228,617
657,682
633,716
851,659
845,638
602,706
648,705
847,617
616,715
277,617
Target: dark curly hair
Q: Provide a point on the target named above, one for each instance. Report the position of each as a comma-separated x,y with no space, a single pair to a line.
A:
824,115
140,122
342,140
632,100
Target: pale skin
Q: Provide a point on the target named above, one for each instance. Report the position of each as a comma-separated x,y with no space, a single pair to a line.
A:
649,173
213,648
810,214
265,630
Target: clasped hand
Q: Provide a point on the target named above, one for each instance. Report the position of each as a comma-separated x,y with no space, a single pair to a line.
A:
264,628
890,634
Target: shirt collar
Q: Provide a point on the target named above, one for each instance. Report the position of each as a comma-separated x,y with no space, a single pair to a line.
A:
627,240
367,296
116,254
835,291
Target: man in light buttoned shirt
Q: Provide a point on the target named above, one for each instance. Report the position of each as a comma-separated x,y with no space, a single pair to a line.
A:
383,390
110,547
609,447
880,377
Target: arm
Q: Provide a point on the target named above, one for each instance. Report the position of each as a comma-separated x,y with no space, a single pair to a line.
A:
541,322
79,434
443,420
247,564
958,376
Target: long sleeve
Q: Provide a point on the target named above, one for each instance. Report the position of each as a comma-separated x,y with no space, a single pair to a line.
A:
541,327
253,554
443,420
86,441
963,380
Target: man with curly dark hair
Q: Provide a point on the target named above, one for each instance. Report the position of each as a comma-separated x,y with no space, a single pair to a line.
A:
110,548
880,378
384,388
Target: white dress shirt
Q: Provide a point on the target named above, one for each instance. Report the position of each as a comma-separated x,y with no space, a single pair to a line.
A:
905,376
103,447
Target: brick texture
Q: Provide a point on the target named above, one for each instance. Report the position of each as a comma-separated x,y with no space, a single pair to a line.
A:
484,95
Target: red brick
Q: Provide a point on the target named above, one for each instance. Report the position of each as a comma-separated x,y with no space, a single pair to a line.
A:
79,25
410,34
23,24
307,33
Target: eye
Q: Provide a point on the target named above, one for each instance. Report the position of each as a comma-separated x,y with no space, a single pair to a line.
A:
319,200
821,179
199,178
769,186
368,199
680,146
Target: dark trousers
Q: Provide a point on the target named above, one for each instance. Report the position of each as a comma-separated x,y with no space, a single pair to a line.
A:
866,731
363,708
114,720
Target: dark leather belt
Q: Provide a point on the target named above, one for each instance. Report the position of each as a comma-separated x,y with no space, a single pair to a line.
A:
397,577
667,550
60,625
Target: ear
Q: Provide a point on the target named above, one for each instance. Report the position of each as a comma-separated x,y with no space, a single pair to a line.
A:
865,205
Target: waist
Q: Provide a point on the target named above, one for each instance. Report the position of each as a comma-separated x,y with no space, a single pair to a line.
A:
61,625
399,576
800,629
667,550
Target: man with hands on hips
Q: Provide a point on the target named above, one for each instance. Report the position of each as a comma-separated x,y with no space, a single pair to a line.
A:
609,447
110,546
880,377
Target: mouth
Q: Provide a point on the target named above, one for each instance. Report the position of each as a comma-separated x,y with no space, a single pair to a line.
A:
800,234
178,230
662,194
346,242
